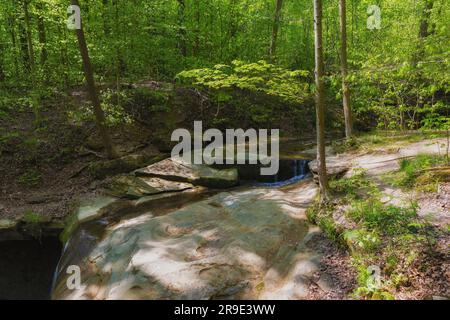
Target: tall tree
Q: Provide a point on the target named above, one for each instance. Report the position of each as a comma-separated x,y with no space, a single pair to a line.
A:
275,28
92,90
320,100
29,35
344,71
182,27
2,71
42,32
106,26
63,57
22,38
425,19
196,48
424,31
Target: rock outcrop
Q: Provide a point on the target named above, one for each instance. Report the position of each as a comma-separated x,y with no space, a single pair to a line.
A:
201,175
336,167
247,243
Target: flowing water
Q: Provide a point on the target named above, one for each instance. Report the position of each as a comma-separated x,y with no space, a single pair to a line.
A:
32,266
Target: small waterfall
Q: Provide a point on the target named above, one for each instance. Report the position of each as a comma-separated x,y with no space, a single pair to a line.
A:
297,170
296,166
303,167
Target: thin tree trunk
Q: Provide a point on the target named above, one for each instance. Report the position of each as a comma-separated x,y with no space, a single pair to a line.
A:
275,27
42,34
11,19
233,29
181,25
2,71
24,45
320,101
425,20
106,27
197,28
344,71
29,35
423,31
89,74
120,63
62,37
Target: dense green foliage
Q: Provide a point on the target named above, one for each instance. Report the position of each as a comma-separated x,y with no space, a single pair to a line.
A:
255,77
398,75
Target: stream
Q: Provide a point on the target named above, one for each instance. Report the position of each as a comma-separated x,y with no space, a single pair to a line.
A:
39,272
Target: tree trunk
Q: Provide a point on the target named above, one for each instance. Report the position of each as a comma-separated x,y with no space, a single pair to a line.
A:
344,71
120,62
23,45
2,71
275,27
447,155
423,31
42,33
106,26
181,25
11,24
29,35
89,74
425,19
196,48
320,101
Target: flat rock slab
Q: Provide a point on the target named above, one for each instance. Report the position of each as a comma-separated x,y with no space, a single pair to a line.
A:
132,187
245,244
180,171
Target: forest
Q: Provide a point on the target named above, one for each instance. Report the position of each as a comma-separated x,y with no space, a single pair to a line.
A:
138,140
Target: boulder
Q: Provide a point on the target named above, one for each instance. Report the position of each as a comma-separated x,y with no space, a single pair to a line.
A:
201,175
336,168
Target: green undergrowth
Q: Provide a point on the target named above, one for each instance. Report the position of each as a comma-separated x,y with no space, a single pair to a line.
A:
33,222
383,239
415,174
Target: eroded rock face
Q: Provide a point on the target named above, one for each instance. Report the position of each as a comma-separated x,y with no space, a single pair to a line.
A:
336,167
247,243
124,164
202,175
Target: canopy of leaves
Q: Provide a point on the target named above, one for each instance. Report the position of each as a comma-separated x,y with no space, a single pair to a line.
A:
260,77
